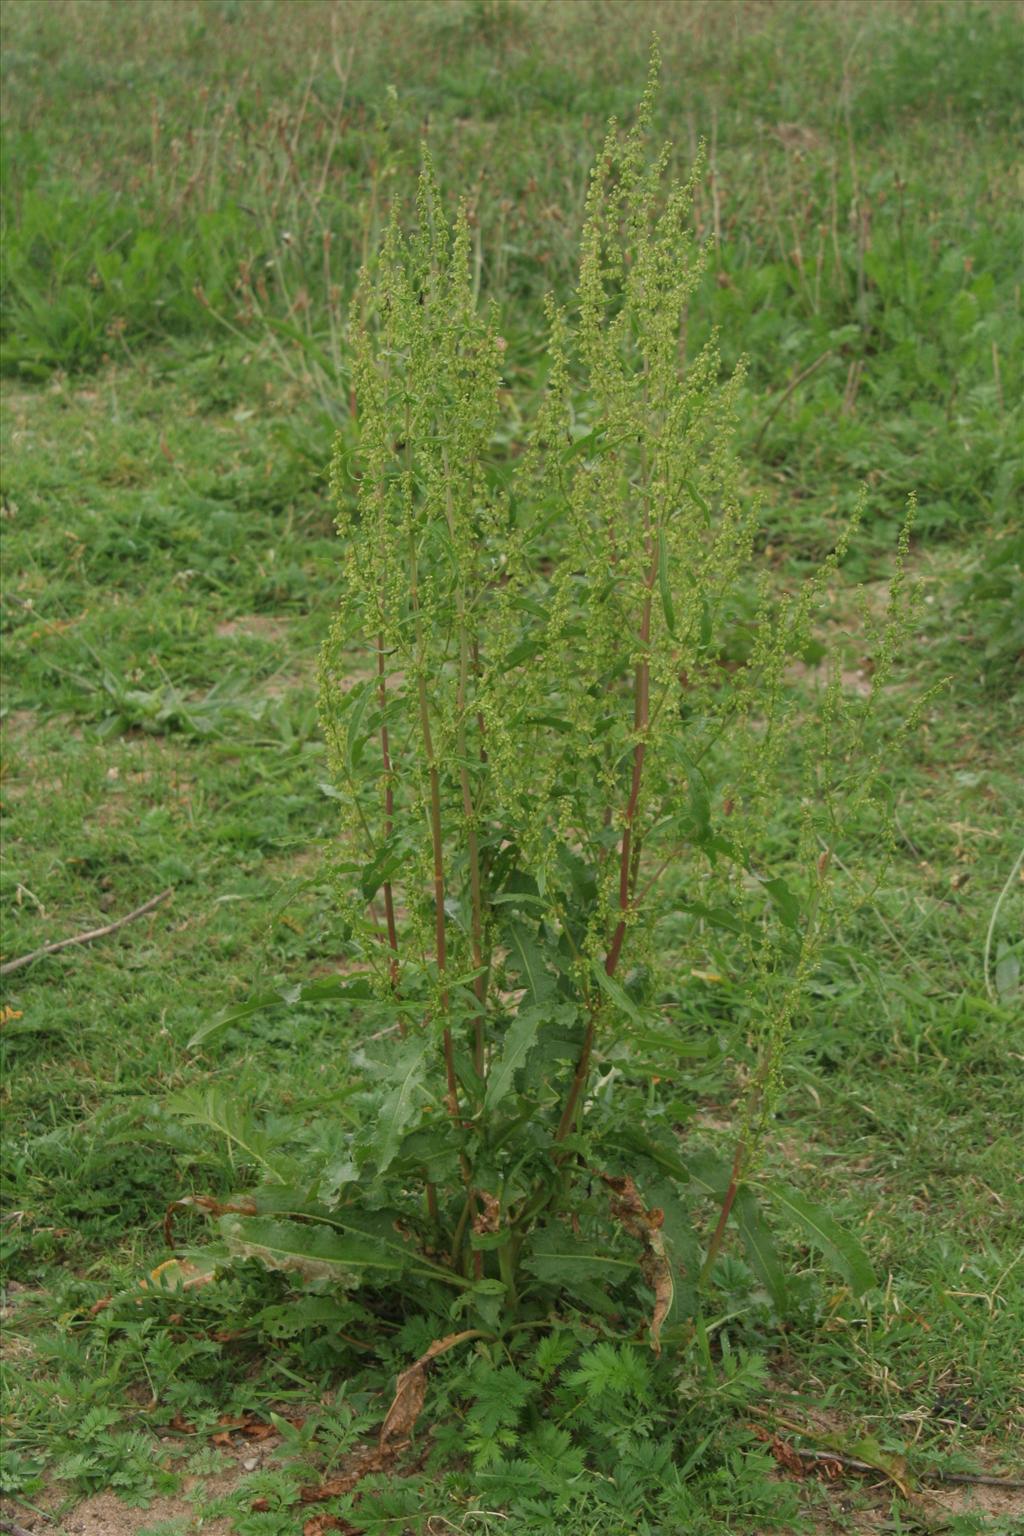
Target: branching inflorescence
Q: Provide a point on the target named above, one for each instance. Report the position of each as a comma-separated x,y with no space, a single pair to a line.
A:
559,709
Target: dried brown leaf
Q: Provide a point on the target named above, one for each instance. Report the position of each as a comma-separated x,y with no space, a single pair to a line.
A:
488,1219
316,1525
628,1208
334,1487
411,1390
204,1203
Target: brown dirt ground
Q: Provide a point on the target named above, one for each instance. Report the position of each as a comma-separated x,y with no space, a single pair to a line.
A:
104,1514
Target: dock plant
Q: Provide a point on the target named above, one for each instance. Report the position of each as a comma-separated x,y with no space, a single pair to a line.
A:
561,717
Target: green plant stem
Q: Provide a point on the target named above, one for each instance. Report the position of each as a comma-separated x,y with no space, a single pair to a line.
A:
460,1229
507,1270
641,721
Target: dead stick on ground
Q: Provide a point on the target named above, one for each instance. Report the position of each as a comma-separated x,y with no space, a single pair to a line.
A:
794,384
12,1529
932,1475
86,938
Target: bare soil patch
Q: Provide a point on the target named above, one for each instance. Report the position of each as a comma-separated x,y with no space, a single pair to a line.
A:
260,626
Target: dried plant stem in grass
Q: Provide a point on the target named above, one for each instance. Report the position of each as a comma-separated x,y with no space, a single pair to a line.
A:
85,938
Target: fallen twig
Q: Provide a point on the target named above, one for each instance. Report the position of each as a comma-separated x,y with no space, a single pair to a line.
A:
12,1529
976,1477
793,384
85,938
854,1463
930,1475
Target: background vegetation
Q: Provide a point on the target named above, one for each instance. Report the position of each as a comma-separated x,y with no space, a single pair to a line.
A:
189,190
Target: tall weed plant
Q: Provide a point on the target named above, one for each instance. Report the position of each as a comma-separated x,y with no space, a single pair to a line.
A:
560,707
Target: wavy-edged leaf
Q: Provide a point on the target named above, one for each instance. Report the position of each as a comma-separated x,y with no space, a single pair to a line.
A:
786,904
838,1246
721,917
381,1228
527,961
356,737
559,1257
691,488
386,863
315,1252
519,1041
690,1050
618,994
402,1102
760,1246
322,990
629,1208
680,1244
704,1173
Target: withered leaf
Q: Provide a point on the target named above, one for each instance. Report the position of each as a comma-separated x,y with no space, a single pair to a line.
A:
628,1208
204,1203
411,1390
488,1219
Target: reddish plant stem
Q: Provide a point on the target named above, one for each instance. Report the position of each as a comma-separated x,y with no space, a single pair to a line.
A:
477,669
473,848
628,867
468,808
641,718
389,817
476,866
727,1205
440,938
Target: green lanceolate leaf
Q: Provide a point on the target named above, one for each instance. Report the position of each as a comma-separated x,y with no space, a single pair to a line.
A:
558,1257
838,1246
519,1041
323,989
383,1229
618,994
760,1246
356,737
314,1252
700,804
665,585
703,1173
690,487
689,1050
721,917
527,961
402,1102
786,904
385,863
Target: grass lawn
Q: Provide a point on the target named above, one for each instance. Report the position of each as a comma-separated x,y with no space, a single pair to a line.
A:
175,368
